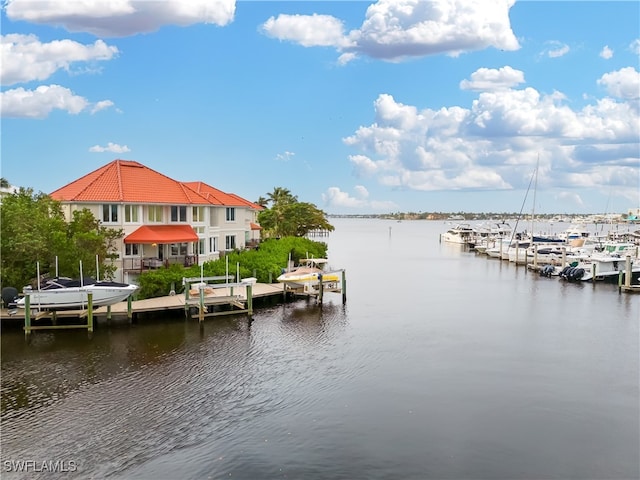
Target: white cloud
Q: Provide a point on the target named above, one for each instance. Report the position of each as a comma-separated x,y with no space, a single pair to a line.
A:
119,18
493,79
397,29
623,83
571,198
361,191
101,106
25,58
606,53
284,157
557,50
307,30
40,102
334,197
363,165
494,144
635,46
111,147
337,199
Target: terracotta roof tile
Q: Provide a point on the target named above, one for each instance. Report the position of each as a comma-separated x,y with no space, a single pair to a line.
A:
128,181
218,197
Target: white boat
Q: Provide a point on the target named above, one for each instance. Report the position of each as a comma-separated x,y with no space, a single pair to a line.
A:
602,266
461,234
574,232
552,254
490,235
496,249
517,252
309,274
70,294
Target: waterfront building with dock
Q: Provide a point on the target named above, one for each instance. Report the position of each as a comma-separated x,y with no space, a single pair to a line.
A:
165,221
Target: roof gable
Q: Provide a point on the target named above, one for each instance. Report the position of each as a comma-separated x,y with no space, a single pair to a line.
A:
131,182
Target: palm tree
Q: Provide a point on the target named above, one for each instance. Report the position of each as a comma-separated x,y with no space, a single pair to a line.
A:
281,196
263,202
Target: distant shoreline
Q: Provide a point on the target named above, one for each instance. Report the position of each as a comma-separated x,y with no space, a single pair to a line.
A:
461,217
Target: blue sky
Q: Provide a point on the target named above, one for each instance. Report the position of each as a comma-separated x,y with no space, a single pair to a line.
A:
357,107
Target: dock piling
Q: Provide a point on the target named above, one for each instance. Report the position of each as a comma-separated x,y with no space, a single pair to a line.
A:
249,300
90,309
27,314
344,286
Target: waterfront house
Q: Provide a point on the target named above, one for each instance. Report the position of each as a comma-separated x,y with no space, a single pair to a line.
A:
164,221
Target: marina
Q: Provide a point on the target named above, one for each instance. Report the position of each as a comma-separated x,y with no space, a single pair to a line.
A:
442,364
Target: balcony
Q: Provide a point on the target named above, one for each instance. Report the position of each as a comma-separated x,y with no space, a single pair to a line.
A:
138,264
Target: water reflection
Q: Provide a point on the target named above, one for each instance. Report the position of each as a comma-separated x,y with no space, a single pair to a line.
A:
441,364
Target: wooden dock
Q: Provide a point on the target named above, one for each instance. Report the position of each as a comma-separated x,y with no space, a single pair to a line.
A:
220,295
200,300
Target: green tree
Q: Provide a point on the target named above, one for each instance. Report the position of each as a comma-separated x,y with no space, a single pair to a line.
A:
263,202
4,183
288,217
281,196
33,230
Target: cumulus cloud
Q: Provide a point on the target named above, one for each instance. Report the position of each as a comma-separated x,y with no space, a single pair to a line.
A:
337,199
40,102
120,18
606,53
110,147
307,30
493,79
624,83
397,29
571,198
495,142
635,46
25,58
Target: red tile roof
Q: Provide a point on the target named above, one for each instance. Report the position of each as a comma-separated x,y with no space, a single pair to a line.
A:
131,182
218,197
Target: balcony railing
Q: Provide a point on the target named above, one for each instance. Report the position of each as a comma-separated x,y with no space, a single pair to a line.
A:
138,264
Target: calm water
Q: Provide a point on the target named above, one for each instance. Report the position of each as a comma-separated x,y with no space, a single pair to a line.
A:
442,365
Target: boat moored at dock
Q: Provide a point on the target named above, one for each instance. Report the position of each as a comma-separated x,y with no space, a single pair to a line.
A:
68,294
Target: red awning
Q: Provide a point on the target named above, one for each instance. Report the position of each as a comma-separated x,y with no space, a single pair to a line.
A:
162,234
255,226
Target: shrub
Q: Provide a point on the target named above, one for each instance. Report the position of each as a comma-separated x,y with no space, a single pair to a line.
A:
265,263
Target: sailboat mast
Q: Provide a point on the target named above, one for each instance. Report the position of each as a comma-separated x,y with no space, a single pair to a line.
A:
535,189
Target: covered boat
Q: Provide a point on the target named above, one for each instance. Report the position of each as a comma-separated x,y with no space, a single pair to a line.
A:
66,293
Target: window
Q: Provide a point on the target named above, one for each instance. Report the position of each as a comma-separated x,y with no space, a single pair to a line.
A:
199,230
230,242
176,249
231,214
110,213
201,246
213,244
198,214
155,213
131,249
178,214
131,214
